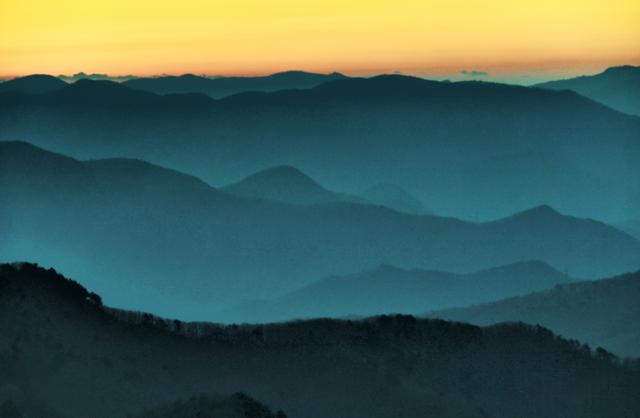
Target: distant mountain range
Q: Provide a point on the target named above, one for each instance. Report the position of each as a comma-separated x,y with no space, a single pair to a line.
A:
215,87
388,289
616,87
156,239
65,350
469,149
225,86
602,313
105,94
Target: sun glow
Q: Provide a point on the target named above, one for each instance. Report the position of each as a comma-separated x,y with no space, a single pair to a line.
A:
244,37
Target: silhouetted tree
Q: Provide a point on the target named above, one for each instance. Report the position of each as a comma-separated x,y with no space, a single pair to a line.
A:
177,324
603,354
95,298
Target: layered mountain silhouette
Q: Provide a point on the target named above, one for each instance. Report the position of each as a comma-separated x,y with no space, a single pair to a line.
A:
159,240
286,184
388,289
225,86
616,87
395,197
602,313
83,359
32,84
469,149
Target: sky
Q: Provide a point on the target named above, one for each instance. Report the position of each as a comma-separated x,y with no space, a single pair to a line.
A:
489,39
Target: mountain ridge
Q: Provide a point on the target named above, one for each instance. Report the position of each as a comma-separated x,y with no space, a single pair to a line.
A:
616,87
388,289
601,312
225,86
354,131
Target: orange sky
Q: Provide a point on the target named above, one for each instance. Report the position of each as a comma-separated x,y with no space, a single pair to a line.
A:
247,37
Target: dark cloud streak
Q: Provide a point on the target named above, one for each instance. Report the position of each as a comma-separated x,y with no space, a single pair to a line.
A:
474,73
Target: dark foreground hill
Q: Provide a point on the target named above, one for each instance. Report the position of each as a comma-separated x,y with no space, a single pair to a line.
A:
388,289
150,238
602,312
470,149
236,406
82,359
15,403
616,87
226,86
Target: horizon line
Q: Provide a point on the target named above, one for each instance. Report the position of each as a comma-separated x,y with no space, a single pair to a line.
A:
480,73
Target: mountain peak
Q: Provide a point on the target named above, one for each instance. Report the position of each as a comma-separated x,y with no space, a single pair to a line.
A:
36,77
291,72
305,74
283,170
623,69
543,210
87,86
32,84
283,175
283,183
103,92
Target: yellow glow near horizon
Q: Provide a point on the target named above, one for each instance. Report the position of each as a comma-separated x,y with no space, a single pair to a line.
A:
248,36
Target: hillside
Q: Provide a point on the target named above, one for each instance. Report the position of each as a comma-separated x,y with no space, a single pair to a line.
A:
286,184
236,406
218,87
59,344
151,238
616,87
631,227
602,313
470,149
32,84
395,197
388,289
